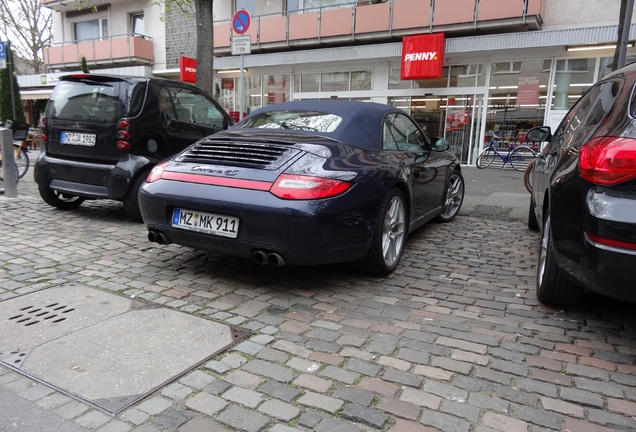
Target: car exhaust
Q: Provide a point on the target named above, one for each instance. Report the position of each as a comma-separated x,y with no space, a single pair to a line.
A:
275,259
158,237
260,257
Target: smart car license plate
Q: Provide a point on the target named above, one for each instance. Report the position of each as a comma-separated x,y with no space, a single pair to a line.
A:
210,223
75,138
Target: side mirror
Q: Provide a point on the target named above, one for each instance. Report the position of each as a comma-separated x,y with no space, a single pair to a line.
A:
440,144
539,134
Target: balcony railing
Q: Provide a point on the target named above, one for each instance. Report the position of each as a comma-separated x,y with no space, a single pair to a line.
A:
120,50
367,21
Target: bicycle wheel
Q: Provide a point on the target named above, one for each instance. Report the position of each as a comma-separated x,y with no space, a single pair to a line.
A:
521,157
485,158
22,162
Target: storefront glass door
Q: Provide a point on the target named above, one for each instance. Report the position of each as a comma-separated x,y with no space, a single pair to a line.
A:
455,118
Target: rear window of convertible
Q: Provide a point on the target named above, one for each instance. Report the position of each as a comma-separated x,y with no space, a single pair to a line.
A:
311,121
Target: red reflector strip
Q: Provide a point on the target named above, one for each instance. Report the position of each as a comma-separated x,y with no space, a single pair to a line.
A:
612,243
217,181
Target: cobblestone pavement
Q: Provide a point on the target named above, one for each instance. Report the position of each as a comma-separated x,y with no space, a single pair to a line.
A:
454,340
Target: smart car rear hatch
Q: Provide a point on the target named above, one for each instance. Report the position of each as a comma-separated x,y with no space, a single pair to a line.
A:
82,115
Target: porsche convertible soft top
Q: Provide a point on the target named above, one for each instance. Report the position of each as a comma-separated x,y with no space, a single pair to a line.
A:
360,125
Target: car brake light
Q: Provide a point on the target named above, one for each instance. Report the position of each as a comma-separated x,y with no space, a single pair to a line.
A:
298,187
156,172
123,135
608,160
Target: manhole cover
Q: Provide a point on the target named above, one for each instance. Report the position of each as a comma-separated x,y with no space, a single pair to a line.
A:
104,349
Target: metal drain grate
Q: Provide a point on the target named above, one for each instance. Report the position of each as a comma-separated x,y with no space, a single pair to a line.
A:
31,315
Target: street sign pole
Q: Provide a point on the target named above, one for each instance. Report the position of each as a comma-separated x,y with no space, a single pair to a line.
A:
10,73
242,89
240,24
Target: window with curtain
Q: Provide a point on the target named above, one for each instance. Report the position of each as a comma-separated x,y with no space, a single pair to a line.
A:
88,30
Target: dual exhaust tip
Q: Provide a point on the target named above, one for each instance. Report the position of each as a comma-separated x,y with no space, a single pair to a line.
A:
264,257
158,237
260,256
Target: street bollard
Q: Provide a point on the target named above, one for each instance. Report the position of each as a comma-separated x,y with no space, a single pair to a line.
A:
9,170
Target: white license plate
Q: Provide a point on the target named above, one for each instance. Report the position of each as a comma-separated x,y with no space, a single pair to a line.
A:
226,226
75,138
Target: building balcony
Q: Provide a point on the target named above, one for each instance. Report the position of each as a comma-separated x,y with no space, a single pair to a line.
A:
372,21
122,50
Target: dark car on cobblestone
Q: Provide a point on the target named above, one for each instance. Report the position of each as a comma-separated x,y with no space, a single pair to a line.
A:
103,134
584,195
306,182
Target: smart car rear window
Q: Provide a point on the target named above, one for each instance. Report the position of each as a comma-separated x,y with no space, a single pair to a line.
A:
86,100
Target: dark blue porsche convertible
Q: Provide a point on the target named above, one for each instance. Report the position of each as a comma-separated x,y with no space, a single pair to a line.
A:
306,182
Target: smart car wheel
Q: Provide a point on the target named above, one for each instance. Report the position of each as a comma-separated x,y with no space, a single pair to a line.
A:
389,236
454,198
552,286
60,200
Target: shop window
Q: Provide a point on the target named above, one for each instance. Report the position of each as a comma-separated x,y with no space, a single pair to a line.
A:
334,81
517,98
395,82
277,88
361,80
309,82
463,76
433,83
572,78
605,65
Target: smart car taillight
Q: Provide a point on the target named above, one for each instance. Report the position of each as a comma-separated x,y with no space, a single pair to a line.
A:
155,172
298,187
122,135
608,160
43,131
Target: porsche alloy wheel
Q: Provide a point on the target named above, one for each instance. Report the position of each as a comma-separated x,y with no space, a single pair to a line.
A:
454,198
390,236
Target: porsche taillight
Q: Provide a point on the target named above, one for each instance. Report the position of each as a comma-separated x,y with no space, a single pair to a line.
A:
156,172
299,187
123,135
608,160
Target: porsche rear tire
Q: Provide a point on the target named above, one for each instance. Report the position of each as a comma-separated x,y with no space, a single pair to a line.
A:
389,238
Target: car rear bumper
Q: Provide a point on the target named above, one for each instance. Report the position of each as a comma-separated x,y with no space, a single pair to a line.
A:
601,259
88,179
302,232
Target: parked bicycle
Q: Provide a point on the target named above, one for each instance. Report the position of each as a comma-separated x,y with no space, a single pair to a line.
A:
519,157
20,156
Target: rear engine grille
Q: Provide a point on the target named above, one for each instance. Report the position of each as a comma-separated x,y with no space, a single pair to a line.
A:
249,154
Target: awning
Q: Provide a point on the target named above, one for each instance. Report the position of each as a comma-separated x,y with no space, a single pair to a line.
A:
35,94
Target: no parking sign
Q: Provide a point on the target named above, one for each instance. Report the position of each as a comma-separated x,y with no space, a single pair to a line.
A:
241,21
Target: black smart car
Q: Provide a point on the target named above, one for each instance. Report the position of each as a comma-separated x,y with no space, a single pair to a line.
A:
584,195
103,134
